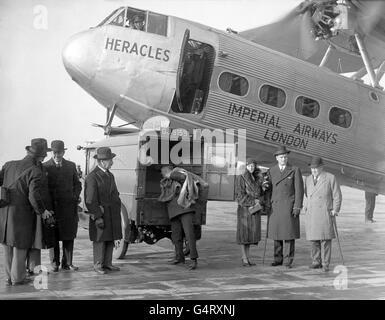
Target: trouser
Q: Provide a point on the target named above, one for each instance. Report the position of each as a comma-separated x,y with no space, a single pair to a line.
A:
288,253
33,259
103,251
67,248
14,263
370,199
180,224
325,253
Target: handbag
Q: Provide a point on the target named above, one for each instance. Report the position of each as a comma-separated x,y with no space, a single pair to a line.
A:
255,208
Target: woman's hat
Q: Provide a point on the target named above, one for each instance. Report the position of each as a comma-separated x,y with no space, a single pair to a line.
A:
316,162
250,161
38,147
104,153
281,150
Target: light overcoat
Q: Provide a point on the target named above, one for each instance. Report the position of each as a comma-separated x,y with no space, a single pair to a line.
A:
320,199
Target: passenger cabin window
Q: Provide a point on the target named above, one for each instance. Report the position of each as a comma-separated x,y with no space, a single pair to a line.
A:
340,117
307,107
272,96
232,83
138,20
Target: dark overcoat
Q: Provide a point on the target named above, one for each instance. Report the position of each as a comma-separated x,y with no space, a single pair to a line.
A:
103,201
18,219
286,193
65,188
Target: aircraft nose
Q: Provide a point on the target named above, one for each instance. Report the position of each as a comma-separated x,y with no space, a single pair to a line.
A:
80,57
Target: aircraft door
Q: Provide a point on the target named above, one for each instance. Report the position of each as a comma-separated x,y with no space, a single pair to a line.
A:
181,65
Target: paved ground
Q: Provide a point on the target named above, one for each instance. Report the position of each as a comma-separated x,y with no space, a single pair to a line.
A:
145,273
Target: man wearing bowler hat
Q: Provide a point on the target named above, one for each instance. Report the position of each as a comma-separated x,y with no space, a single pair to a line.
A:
65,188
22,179
322,203
286,203
103,203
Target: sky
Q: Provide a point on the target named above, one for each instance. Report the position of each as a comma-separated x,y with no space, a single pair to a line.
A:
37,96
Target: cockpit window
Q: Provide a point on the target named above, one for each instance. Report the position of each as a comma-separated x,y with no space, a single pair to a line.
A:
108,17
157,24
119,19
137,20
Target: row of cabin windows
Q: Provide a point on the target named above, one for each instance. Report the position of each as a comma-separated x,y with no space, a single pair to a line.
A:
276,97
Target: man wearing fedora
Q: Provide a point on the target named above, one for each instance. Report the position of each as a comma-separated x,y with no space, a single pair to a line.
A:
22,179
286,203
65,188
322,203
103,204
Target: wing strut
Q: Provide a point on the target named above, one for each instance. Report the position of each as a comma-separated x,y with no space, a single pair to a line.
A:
366,60
326,56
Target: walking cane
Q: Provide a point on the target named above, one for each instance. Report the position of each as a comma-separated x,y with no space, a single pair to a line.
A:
334,222
267,228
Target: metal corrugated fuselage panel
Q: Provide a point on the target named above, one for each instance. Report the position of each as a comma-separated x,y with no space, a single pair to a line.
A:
272,126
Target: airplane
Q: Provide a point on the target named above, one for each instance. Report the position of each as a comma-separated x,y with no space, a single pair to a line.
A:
284,83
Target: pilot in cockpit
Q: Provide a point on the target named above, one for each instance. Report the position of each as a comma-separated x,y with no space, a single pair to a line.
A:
138,23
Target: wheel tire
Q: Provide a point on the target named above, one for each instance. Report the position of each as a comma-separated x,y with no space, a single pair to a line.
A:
120,252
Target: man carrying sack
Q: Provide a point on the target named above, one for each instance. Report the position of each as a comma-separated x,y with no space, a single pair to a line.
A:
103,204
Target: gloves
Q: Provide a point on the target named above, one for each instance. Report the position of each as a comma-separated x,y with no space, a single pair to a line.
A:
46,214
333,213
296,212
99,223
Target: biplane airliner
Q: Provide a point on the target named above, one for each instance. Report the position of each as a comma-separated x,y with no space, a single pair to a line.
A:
285,83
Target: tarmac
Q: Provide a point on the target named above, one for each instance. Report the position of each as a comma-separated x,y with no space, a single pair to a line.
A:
146,273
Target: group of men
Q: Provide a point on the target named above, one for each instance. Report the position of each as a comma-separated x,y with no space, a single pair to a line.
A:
322,204
40,211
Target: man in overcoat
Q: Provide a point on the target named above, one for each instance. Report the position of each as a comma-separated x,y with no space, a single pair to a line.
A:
322,204
103,204
18,219
65,188
286,203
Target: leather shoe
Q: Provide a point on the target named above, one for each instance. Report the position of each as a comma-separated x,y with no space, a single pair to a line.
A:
193,265
315,266
245,263
177,261
8,282
22,282
288,265
275,264
112,268
55,269
325,269
70,267
99,270
250,263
